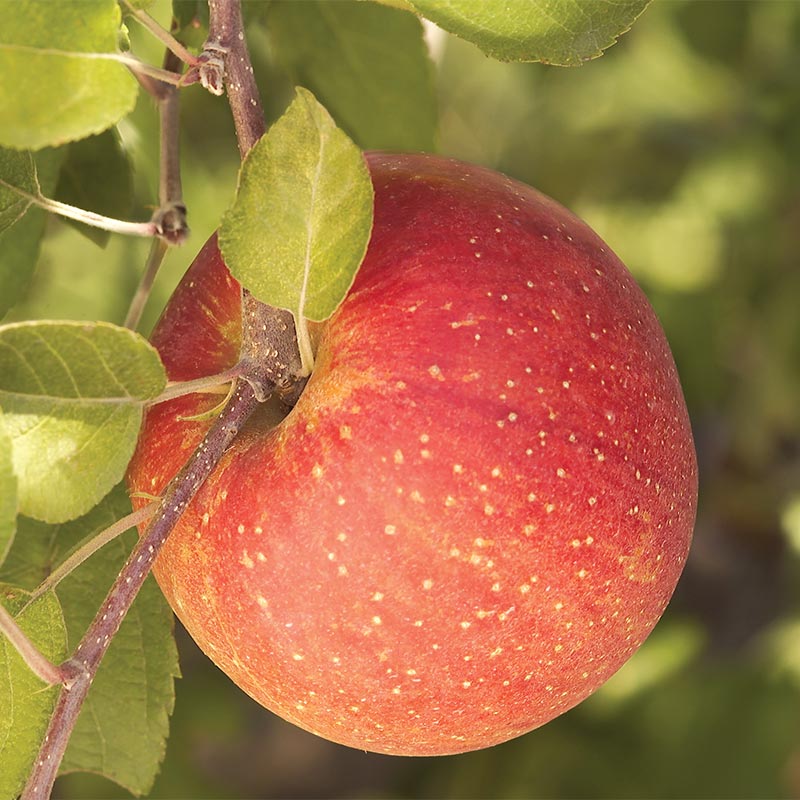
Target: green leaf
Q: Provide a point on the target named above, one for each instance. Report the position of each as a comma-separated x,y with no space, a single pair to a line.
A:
123,727
367,63
58,82
8,492
97,175
302,217
73,396
17,174
25,703
563,32
19,245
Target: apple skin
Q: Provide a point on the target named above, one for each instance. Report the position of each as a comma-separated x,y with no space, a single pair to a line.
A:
482,502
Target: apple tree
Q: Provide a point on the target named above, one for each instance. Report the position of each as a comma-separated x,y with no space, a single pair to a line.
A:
91,100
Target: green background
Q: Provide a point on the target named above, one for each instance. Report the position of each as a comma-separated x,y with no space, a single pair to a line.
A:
681,146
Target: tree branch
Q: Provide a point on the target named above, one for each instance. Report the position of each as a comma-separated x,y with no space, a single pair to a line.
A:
226,35
270,361
170,217
79,671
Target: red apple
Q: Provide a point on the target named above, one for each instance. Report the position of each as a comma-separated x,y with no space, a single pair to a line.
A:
480,505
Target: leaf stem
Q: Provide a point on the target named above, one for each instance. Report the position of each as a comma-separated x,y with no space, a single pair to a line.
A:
131,62
182,388
39,664
87,217
90,548
161,34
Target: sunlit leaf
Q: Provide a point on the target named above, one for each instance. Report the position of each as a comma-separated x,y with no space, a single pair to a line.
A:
564,32
25,702
58,82
300,224
73,396
368,64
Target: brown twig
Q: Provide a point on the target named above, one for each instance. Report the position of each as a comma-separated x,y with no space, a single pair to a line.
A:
170,217
225,27
270,361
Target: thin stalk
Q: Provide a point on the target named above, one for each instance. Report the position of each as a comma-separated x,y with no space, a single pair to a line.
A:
87,217
91,547
182,388
226,35
39,664
224,29
170,218
158,249
163,35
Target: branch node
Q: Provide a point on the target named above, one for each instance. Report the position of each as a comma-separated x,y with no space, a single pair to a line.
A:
211,67
170,222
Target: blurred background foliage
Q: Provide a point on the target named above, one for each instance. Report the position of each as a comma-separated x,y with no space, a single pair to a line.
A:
681,146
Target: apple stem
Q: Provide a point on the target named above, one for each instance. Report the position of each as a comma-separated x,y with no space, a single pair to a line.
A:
38,663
